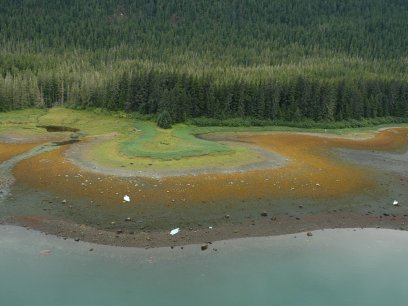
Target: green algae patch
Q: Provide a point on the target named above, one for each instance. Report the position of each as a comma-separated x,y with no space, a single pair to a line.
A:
106,154
175,143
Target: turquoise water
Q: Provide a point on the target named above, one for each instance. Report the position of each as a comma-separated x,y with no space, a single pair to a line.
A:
334,267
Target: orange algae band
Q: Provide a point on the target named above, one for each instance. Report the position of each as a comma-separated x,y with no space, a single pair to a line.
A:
8,150
309,173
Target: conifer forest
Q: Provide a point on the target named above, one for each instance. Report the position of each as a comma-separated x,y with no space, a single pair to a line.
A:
206,61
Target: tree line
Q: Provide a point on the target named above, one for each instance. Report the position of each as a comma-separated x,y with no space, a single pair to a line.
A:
185,96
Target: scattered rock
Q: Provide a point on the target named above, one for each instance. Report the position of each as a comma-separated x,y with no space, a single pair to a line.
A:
309,234
301,206
64,201
119,231
76,239
264,214
273,218
91,250
227,216
204,247
128,219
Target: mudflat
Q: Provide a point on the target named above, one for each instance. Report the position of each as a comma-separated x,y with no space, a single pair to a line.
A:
302,182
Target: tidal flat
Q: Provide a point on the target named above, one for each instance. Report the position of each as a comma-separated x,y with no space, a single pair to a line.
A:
264,182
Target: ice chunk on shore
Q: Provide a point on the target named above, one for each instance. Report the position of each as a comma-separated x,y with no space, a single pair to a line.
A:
395,203
174,231
126,198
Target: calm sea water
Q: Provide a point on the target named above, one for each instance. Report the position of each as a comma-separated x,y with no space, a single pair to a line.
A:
334,267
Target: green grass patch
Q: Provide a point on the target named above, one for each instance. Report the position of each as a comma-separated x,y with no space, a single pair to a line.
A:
22,122
91,122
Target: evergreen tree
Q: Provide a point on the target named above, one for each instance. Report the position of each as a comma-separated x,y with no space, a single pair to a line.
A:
164,120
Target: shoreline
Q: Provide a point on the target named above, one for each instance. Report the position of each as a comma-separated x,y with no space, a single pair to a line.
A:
266,227
125,243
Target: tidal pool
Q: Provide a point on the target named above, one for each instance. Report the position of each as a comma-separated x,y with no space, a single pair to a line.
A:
333,267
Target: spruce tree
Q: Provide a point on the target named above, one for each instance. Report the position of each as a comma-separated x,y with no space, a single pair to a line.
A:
164,120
